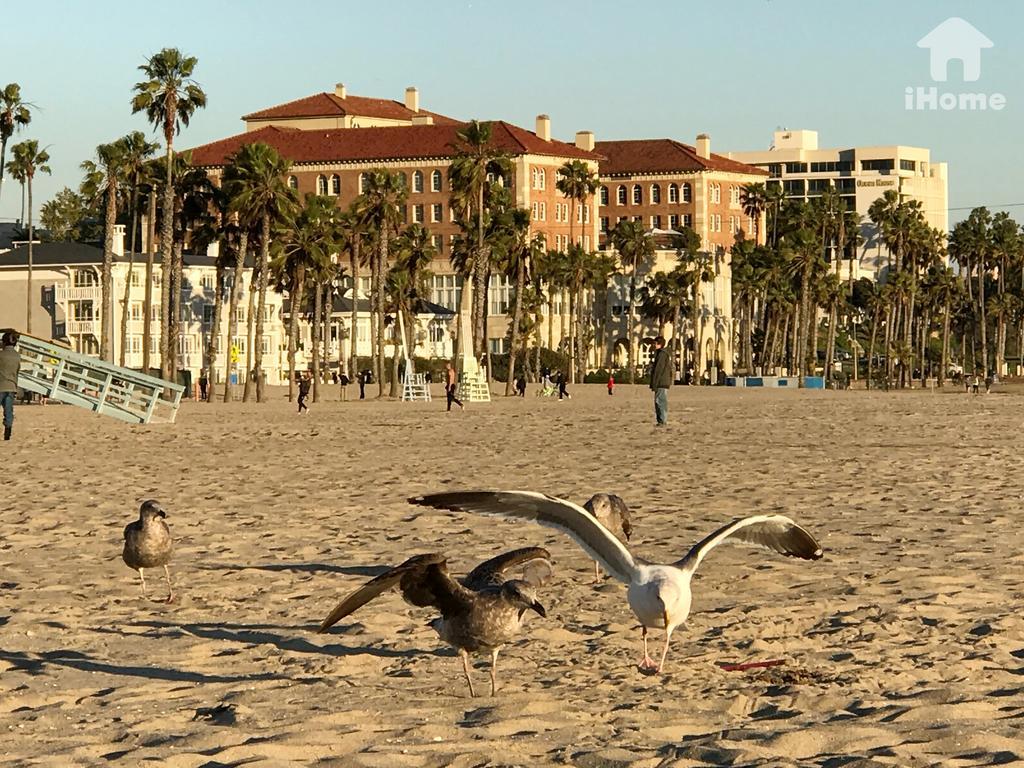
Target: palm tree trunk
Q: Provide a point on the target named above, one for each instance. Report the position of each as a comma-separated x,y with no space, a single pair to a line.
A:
551,316
890,321
147,326
296,290
315,332
167,260
264,279
382,266
31,237
353,357
830,346
631,325
945,345
131,266
871,348
175,339
106,278
211,347
983,321
517,315
250,336
572,335
236,289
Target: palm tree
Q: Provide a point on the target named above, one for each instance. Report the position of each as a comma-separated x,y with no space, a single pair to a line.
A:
306,243
27,161
636,250
577,182
149,184
382,207
754,201
352,236
774,199
970,244
408,284
470,175
255,180
169,97
518,256
103,179
664,298
135,155
14,114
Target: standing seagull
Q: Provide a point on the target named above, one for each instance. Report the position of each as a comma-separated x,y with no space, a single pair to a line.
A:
658,594
147,543
611,512
479,613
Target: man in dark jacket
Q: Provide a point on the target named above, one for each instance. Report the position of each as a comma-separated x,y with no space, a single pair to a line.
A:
10,363
661,380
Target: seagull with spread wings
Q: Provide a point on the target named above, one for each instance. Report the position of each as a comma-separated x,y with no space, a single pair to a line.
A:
659,595
479,613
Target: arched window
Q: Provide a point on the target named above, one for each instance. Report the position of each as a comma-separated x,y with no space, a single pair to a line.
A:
435,181
685,193
638,194
417,181
673,193
543,179
335,184
321,184
363,179
604,195
293,183
655,193
620,195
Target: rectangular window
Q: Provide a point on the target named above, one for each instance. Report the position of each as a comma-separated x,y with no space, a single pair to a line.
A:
586,242
438,242
154,345
604,223
497,346
239,343
884,164
543,211
908,165
793,187
732,225
185,345
586,214
534,211
417,213
208,314
265,345
85,278
687,220
774,169
136,310
832,166
655,222
817,186
558,211
136,279
796,167
673,221
446,290
436,212
207,282
579,214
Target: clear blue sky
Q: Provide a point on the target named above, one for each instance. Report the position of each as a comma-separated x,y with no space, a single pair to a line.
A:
656,68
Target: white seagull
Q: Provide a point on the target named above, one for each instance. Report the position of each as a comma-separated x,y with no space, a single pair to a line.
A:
659,595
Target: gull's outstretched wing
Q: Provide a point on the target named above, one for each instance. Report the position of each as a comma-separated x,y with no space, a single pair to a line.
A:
596,540
774,532
423,580
492,572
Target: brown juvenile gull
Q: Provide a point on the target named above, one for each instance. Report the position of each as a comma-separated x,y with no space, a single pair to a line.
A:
479,613
659,595
147,543
611,512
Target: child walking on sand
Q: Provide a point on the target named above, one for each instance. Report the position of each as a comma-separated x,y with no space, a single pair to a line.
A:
611,384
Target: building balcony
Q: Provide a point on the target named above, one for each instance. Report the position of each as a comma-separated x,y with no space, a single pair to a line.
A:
76,327
64,293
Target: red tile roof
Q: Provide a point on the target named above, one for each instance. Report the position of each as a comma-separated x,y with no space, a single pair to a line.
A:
331,105
664,156
404,142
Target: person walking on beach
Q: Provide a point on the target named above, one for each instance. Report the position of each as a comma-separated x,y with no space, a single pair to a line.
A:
361,378
304,383
204,384
450,386
10,364
611,384
521,386
343,380
661,380
562,391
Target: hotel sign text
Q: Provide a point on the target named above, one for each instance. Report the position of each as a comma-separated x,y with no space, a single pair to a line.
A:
876,183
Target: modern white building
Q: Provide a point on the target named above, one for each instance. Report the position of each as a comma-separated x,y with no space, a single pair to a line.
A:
861,175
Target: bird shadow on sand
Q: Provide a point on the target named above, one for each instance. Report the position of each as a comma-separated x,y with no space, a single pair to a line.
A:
36,664
258,634
346,570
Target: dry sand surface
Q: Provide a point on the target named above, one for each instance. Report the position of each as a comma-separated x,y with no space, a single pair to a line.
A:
903,646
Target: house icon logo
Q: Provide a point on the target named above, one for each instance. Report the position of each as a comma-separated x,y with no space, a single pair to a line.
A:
955,39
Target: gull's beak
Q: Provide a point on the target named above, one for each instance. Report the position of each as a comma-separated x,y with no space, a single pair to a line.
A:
539,609
161,513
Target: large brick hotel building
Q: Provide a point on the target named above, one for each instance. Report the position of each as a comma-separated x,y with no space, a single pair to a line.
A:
332,138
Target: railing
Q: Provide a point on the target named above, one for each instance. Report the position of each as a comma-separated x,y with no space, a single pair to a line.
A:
74,327
79,293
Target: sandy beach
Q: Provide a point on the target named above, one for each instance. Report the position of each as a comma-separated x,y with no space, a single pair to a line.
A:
903,646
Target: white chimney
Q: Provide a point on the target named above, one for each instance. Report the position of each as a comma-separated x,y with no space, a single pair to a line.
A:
118,246
704,146
423,120
585,140
412,99
339,90
543,127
